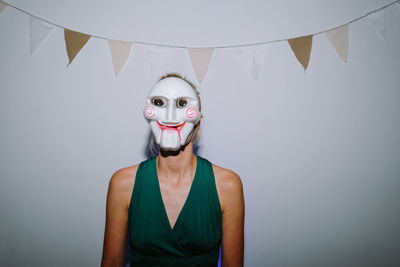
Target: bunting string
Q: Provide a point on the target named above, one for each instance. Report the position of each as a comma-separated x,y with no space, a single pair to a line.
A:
252,55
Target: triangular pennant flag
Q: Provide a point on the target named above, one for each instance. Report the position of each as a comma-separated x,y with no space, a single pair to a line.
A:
200,58
38,31
378,20
2,6
253,58
74,41
120,52
301,47
158,56
339,38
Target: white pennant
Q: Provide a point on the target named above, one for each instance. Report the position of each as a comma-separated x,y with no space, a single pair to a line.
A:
378,20
200,58
2,6
38,31
253,58
339,38
120,52
158,56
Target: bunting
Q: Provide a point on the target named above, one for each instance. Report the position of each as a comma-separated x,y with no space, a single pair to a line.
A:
301,47
251,56
339,38
38,31
200,58
120,52
378,20
158,57
74,41
2,6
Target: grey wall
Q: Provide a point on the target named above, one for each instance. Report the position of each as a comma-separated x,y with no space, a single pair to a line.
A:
318,152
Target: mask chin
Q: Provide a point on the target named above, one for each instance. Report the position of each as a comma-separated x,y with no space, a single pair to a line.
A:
171,140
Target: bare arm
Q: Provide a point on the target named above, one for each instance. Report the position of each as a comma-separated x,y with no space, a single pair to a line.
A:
118,197
232,202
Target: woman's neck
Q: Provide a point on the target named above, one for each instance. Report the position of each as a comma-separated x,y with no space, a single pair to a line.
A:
176,165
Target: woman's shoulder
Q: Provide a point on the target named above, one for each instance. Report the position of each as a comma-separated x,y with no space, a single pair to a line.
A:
226,178
229,185
123,176
122,181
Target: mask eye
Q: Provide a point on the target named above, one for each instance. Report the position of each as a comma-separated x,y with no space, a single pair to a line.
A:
181,103
159,102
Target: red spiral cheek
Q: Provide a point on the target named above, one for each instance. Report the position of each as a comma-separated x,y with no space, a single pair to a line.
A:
192,113
149,112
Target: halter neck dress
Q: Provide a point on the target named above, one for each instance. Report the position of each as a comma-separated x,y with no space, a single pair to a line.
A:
195,238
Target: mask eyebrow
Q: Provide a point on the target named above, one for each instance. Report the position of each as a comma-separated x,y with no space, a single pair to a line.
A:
186,97
157,96
191,98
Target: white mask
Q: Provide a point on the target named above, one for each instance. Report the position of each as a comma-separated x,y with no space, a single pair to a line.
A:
172,111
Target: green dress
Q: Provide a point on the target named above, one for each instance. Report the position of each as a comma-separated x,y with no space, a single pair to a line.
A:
196,236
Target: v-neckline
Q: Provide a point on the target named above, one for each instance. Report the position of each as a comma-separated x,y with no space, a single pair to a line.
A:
172,228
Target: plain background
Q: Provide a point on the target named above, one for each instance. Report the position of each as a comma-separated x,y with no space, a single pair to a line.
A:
318,151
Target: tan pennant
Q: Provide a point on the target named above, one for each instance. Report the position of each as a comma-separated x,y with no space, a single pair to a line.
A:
200,58
74,41
339,38
120,52
2,6
301,47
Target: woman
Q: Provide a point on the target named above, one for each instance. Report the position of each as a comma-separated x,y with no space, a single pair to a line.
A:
177,208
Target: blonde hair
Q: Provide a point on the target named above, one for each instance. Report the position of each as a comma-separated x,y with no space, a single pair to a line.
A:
153,146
